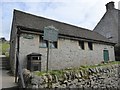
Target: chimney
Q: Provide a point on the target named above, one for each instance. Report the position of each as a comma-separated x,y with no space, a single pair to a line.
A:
110,6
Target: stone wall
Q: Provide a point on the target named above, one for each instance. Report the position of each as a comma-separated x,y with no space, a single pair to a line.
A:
108,25
102,77
68,53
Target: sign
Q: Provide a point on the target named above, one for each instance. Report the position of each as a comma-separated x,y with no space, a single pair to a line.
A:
28,36
50,33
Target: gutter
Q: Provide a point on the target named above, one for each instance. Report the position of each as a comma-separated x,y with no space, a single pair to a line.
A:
18,71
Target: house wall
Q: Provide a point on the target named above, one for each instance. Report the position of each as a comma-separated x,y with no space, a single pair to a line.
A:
13,49
108,26
68,53
13,46
119,27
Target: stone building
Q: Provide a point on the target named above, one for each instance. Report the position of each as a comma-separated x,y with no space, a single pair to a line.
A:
109,27
75,46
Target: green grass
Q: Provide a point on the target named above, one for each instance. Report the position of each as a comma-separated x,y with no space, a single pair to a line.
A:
101,64
40,73
60,73
52,72
4,46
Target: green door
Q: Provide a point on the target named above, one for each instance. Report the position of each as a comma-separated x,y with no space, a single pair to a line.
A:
106,55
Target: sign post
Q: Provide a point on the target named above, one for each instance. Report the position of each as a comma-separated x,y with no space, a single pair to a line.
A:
51,35
48,51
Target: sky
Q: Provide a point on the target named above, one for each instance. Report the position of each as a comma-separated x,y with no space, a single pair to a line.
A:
81,13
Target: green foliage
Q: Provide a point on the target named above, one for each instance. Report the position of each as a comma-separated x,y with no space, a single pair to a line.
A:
60,73
4,47
40,73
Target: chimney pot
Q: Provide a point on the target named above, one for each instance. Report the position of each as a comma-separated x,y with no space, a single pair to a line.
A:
110,6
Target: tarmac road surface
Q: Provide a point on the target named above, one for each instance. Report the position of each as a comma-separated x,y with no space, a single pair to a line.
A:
6,79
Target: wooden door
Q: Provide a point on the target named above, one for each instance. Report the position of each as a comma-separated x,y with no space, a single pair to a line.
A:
106,55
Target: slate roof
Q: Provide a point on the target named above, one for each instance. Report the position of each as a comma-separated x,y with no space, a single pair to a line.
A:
36,22
109,26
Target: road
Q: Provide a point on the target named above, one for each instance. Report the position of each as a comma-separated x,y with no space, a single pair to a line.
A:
6,79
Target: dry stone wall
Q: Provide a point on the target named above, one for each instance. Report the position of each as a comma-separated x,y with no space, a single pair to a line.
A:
103,77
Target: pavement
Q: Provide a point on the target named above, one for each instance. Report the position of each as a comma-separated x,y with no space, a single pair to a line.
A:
7,80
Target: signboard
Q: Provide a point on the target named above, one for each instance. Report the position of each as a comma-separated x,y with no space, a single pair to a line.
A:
50,33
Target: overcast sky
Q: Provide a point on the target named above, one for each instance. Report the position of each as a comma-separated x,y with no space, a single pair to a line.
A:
82,13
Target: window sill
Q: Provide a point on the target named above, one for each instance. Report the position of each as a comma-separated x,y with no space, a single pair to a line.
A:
42,47
47,47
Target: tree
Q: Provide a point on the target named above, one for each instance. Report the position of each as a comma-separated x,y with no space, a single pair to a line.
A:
3,39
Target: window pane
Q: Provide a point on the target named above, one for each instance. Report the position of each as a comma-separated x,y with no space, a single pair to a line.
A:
43,43
53,45
90,45
34,58
81,44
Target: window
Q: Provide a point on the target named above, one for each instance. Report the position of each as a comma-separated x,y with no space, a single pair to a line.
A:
81,44
44,44
34,58
53,45
90,45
